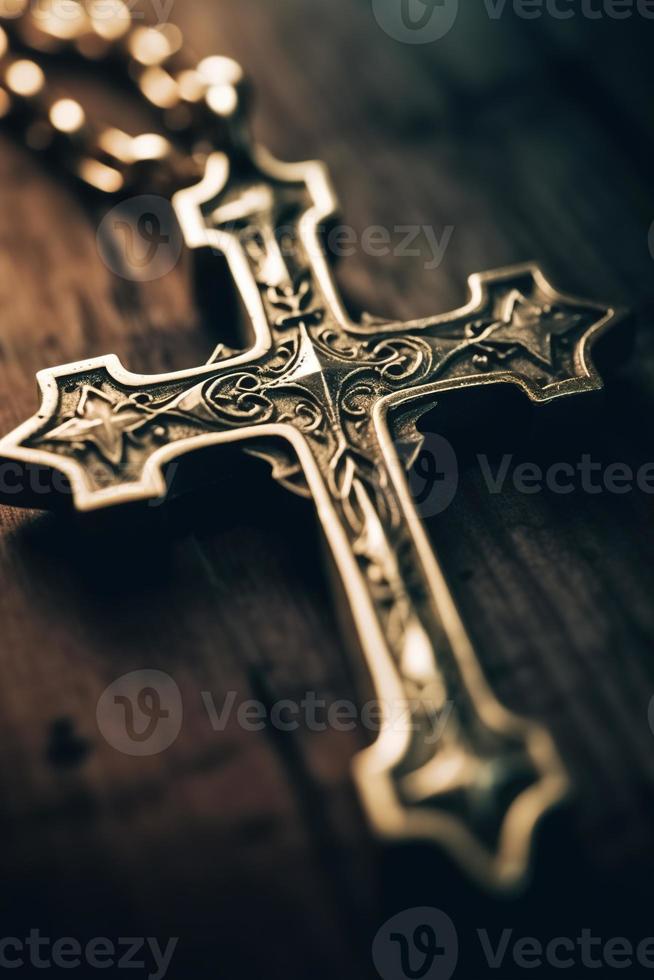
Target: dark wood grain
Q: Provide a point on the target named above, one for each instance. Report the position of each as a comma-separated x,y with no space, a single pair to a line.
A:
532,139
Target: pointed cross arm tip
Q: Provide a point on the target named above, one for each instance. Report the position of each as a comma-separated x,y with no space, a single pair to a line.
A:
520,329
105,437
419,807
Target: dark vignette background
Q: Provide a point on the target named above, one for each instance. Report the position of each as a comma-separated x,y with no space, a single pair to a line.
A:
534,139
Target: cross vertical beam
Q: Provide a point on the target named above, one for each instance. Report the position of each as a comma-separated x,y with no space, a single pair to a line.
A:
327,401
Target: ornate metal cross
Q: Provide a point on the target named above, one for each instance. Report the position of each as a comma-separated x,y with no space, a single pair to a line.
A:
327,401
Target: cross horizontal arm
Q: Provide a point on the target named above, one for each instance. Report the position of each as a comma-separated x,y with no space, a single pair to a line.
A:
325,388
112,433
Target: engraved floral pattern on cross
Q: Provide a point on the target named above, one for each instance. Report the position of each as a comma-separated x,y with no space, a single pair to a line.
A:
320,397
103,423
324,376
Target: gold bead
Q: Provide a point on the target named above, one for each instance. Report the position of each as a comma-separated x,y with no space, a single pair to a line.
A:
223,100
65,22
67,116
100,176
110,22
150,46
25,78
13,9
218,70
150,146
160,88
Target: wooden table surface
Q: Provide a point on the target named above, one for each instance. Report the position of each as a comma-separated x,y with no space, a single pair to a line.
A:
534,140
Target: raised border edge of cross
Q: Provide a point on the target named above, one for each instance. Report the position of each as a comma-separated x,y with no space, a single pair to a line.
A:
197,235
371,766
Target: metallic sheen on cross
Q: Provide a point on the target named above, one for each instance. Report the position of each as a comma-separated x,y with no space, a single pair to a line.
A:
328,401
